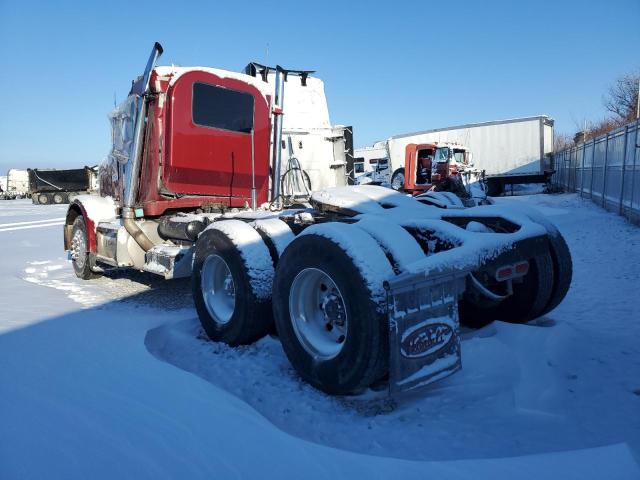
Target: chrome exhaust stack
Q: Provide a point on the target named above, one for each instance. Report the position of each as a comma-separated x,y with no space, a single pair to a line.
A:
132,173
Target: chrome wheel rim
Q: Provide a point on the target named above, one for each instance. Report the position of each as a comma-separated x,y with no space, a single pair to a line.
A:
218,289
398,181
79,248
318,313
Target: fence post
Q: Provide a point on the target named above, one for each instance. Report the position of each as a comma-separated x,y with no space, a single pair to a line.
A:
572,171
567,170
575,172
584,151
593,157
635,154
566,166
624,163
604,171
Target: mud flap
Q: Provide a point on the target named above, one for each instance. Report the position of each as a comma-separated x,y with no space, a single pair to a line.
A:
424,339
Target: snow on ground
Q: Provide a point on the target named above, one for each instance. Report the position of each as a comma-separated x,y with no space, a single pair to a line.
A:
114,378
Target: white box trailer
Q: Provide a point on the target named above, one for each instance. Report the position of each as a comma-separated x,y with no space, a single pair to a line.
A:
17,184
508,151
371,163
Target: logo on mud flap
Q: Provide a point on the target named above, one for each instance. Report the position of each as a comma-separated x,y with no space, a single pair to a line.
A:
425,340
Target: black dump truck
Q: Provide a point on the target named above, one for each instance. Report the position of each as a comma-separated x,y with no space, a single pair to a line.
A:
48,186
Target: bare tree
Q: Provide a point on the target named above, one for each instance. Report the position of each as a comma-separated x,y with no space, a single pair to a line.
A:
622,98
603,126
562,141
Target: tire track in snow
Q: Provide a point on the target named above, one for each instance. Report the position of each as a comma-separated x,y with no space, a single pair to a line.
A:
139,288
31,226
30,222
50,222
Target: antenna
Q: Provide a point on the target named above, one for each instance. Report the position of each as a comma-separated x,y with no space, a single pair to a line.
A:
115,104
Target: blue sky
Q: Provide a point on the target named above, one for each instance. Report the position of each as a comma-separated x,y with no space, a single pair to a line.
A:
389,68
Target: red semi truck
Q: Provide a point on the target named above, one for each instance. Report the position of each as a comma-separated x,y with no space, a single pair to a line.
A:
429,166
363,284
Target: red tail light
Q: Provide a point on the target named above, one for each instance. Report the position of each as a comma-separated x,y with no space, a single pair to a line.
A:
522,268
504,273
507,272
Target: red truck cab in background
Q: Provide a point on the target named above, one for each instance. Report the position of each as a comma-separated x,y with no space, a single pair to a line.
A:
428,165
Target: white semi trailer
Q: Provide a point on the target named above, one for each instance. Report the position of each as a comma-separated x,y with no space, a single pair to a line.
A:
508,151
17,184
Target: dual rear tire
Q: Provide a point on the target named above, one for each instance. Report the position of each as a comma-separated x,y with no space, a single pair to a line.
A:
323,293
231,281
329,313
51,198
325,300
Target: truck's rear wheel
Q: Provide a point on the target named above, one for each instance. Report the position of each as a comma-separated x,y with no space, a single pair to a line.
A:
329,308
58,198
397,180
560,256
80,258
43,199
231,280
562,269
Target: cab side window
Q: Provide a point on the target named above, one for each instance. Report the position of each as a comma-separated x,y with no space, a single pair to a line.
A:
222,108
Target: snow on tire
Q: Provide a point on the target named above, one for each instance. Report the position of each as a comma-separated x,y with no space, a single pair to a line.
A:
398,244
441,199
562,269
232,278
560,256
276,235
329,307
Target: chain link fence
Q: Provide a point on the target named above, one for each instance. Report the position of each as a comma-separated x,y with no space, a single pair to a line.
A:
605,169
